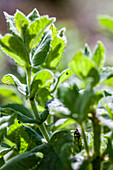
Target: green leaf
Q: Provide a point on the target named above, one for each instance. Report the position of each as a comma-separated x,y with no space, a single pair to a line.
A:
105,120
106,73
9,94
11,23
44,115
11,79
15,48
23,114
43,96
106,21
19,108
59,150
94,75
68,96
63,123
57,49
83,103
99,56
40,52
36,30
33,15
2,162
110,150
27,160
5,151
81,65
87,51
65,74
24,137
40,80
21,23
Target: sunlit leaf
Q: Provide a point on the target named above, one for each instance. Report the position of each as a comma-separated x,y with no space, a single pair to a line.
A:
81,65
57,49
40,80
99,55
40,52
15,48
21,23
11,79
36,30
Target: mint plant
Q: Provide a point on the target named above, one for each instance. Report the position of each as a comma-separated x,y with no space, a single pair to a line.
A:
54,121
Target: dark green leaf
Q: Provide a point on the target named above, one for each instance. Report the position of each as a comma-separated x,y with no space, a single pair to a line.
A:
57,49
57,152
11,79
44,115
36,30
23,161
87,51
83,103
40,52
21,23
4,151
33,15
15,48
2,162
68,96
94,75
19,108
110,150
99,55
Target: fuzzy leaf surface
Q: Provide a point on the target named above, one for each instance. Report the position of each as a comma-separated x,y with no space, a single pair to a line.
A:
11,79
15,48
41,51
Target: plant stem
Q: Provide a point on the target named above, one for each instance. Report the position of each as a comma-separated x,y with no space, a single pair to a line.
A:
28,77
85,140
97,140
36,115
34,108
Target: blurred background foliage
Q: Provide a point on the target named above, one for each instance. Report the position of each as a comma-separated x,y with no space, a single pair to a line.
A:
78,16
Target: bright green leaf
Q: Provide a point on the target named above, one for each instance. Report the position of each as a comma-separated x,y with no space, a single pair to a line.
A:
15,48
106,21
36,30
9,94
81,65
21,23
65,75
99,55
40,80
41,51
11,79
57,49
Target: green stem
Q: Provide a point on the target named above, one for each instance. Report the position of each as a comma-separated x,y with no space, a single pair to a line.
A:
28,77
97,141
85,140
36,115
34,108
